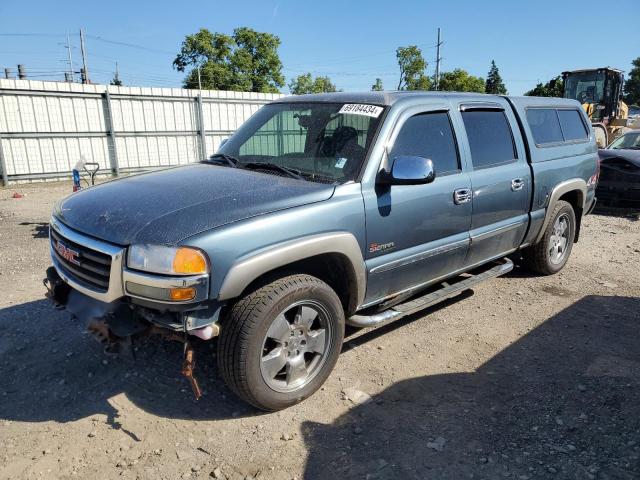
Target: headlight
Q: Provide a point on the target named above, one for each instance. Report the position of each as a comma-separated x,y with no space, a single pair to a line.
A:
167,260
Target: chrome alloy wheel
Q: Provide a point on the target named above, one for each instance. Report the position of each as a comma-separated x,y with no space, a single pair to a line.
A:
559,240
295,346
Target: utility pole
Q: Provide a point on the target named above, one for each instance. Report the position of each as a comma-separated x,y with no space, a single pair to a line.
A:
438,58
22,74
85,78
117,77
7,73
70,60
199,81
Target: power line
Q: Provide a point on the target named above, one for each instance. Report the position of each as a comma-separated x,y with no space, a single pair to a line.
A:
130,45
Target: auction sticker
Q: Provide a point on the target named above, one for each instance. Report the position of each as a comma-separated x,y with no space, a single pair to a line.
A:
362,109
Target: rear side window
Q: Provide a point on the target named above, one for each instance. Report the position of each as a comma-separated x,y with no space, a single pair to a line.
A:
429,135
549,125
545,126
572,125
490,137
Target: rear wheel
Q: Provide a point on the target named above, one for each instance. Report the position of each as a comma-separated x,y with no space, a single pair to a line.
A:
551,254
280,342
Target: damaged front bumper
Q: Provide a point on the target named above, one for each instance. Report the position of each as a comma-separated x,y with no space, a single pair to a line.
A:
90,280
97,270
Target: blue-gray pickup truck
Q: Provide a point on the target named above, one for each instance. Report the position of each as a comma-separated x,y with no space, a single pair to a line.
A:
323,211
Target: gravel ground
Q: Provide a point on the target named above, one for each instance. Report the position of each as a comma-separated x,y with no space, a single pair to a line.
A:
525,377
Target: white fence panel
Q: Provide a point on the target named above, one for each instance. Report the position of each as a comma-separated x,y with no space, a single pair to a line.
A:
47,127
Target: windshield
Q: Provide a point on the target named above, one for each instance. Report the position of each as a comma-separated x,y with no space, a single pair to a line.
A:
586,87
324,142
628,140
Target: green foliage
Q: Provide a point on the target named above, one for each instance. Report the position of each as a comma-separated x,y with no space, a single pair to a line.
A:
460,81
412,67
632,85
494,83
246,61
377,87
307,84
553,88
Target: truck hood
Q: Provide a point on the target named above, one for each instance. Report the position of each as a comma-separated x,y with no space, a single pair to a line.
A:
168,206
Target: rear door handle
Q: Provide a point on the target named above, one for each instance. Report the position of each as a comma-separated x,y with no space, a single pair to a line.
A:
517,184
462,195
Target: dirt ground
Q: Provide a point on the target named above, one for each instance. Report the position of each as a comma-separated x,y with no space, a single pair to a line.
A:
525,377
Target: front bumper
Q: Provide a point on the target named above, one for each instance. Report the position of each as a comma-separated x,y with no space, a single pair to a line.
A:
122,281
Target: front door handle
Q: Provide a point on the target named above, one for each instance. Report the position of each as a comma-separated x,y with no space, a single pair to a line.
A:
462,195
517,184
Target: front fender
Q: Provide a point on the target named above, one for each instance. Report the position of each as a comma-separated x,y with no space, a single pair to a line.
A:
246,269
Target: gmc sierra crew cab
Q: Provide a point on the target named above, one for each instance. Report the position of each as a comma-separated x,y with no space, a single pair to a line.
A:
320,211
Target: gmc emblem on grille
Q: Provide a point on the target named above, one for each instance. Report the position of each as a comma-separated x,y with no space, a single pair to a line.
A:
66,253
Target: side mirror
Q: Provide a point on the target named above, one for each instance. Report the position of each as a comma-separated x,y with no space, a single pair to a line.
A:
409,170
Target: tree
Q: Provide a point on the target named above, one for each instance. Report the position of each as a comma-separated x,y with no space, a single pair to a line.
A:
494,83
632,85
460,81
245,61
412,67
553,88
307,84
377,87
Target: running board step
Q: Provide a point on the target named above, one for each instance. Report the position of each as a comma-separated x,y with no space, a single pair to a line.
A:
447,289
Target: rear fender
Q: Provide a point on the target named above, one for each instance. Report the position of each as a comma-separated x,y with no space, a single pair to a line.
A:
575,184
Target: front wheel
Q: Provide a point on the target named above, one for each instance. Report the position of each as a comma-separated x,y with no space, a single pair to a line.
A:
551,254
280,342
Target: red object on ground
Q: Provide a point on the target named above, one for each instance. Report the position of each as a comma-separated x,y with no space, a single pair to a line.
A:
17,195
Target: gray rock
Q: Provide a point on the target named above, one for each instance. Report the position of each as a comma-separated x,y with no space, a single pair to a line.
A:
358,397
437,444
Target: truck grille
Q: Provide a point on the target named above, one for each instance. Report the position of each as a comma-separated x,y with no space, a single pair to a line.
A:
84,264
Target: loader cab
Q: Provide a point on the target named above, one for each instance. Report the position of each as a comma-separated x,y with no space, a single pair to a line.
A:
598,90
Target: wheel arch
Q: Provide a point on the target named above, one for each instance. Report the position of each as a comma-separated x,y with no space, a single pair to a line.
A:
574,192
335,258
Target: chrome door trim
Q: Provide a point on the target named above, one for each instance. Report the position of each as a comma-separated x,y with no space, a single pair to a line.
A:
497,231
416,257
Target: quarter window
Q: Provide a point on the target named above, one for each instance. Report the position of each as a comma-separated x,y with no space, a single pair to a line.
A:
549,125
572,125
429,135
545,126
490,138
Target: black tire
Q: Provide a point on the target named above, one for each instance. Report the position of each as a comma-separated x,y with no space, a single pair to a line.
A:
538,257
243,335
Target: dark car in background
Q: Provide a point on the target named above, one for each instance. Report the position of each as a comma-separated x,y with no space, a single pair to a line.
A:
619,184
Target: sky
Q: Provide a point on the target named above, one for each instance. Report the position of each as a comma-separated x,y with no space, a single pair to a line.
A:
352,42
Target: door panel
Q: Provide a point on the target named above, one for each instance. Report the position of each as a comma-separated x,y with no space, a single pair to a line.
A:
429,233
500,213
416,233
500,180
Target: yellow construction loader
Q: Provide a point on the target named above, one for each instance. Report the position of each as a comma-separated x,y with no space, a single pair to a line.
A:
599,90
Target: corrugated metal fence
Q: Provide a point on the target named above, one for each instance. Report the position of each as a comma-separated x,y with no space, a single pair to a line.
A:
47,127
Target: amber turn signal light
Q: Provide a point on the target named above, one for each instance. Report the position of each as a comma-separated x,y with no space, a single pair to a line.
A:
182,294
189,261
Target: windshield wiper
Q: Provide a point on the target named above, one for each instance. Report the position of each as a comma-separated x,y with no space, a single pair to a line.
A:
272,166
223,158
